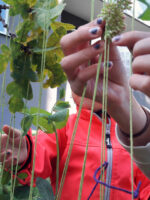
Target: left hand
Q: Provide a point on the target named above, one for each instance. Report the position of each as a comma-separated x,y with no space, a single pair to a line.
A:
139,43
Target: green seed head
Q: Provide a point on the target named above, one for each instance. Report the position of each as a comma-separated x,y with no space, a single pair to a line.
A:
112,13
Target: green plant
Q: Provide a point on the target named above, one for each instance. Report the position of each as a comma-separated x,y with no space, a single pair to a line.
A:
34,55
146,14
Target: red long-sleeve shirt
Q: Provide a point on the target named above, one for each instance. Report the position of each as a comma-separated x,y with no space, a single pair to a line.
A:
46,153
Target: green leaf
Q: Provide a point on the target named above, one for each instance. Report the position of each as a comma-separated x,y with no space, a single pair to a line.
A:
22,192
53,40
45,189
4,196
59,116
57,75
22,175
37,50
26,123
61,31
3,63
6,177
34,110
21,8
40,116
60,124
15,104
22,90
5,50
60,105
55,25
31,2
57,10
10,2
22,70
44,15
23,30
4,58
43,124
62,93
32,76
146,15
15,49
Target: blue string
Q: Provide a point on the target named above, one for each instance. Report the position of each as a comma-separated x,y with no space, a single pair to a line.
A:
105,165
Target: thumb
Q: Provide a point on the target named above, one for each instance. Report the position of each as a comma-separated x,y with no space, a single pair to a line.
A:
129,39
11,131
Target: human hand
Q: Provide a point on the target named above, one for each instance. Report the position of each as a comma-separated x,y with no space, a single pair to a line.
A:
78,52
138,42
12,152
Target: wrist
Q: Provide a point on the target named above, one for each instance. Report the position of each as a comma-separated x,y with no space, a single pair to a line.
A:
140,138
121,115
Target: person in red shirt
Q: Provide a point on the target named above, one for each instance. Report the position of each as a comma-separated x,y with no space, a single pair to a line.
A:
78,51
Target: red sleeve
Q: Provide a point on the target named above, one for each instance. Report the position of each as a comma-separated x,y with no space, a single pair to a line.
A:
45,156
145,185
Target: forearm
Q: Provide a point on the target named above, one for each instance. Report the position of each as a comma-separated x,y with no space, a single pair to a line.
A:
121,115
140,154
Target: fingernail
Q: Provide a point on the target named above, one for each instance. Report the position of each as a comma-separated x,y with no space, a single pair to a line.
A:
8,153
15,159
97,46
109,64
116,38
99,21
94,30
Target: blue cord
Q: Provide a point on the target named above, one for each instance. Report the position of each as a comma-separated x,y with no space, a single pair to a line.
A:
105,165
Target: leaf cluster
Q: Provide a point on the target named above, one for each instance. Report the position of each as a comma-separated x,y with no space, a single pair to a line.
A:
42,191
45,121
34,53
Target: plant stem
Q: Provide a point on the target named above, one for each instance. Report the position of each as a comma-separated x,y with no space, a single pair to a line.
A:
57,162
70,147
92,110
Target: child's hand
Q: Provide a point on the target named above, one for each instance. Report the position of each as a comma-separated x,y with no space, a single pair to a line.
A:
12,133
139,44
78,52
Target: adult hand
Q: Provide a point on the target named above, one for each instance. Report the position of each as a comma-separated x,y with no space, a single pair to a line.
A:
138,43
12,152
78,52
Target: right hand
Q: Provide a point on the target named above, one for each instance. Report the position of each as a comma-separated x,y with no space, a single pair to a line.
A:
78,52
12,152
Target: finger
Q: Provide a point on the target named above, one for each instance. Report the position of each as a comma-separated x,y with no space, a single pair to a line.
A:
71,62
8,162
5,155
141,83
3,139
91,71
95,22
86,75
141,64
130,38
11,131
142,47
71,41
